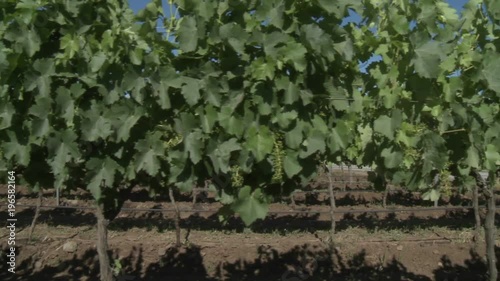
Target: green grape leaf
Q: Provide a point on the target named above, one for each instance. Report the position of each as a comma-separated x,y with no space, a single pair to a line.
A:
123,133
427,59
431,195
231,123
291,164
191,90
491,69
250,205
492,156
187,34
62,149
148,152
284,119
294,53
339,138
386,125
208,118
294,138
194,145
31,42
261,69
101,174
235,36
315,142
223,197
6,113
292,94
97,61
392,159
13,148
260,142
95,127
221,154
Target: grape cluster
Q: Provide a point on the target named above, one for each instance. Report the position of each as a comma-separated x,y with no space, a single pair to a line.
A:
412,154
444,179
278,154
416,129
173,140
236,177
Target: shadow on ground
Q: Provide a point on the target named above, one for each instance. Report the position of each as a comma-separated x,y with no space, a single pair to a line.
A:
278,224
301,263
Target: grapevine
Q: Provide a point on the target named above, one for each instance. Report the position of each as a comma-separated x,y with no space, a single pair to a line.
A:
217,63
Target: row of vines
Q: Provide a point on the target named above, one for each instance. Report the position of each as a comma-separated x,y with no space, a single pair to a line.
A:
252,95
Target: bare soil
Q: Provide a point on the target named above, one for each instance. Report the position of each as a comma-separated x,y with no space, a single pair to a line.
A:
434,245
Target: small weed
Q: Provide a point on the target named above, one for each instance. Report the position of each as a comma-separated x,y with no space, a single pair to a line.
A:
117,268
381,262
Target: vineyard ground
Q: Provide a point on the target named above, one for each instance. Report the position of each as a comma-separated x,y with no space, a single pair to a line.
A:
435,245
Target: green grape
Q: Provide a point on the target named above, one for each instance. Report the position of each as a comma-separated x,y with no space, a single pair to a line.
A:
444,178
420,128
278,155
236,177
411,154
173,141
413,130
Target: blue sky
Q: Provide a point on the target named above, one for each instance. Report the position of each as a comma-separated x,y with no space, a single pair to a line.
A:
140,4
457,4
136,5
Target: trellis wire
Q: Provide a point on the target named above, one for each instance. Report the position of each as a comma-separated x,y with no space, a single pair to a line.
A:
388,210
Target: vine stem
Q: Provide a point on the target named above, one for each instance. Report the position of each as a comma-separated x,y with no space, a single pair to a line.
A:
490,228
332,206
477,217
106,272
386,194
37,213
488,188
453,131
177,218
